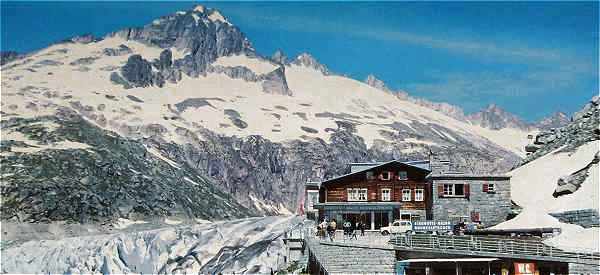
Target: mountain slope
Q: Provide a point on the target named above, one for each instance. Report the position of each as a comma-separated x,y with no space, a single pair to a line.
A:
562,177
191,84
62,168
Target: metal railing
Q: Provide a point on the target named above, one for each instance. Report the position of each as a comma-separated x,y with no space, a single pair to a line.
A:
491,246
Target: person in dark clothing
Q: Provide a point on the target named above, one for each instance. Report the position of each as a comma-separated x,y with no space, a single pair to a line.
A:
362,228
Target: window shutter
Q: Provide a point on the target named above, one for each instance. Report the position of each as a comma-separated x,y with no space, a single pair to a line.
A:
485,188
440,190
467,190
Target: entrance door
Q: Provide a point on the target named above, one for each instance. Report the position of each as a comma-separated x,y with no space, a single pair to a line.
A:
381,219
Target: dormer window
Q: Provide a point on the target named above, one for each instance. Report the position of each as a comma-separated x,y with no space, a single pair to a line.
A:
402,175
386,175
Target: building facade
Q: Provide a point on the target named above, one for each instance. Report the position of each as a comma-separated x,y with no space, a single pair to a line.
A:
477,198
376,194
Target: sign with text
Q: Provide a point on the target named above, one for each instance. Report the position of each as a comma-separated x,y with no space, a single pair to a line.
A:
524,268
421,226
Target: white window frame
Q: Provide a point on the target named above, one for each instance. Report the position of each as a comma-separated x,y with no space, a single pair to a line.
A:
386,194
404,193
491,188
419,194
450,190
357,194
405,173
386,175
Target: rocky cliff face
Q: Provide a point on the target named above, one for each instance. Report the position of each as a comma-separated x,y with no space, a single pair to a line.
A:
556,120
308,60
584,129
494,117
202,34
64,168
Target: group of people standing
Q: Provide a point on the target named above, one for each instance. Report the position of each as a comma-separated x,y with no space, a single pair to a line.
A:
327,229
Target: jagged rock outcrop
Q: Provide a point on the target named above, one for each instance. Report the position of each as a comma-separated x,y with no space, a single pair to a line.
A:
83,39
121,50
308,60
495,118
8,56
203,33
138,71
275,82
584,128
373,81
279,57
66,169
570,183
556,120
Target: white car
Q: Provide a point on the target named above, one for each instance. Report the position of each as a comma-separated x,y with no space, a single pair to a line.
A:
397,227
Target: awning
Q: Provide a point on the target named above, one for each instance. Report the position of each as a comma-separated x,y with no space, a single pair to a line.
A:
452,260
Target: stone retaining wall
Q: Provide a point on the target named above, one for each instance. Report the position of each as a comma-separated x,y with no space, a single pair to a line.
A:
584,217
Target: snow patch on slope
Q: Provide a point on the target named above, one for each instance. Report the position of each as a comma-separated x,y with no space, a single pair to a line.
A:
533,184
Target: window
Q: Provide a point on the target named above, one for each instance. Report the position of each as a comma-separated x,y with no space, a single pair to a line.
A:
489,188
454,190
419,195
370,175
405,216
405,194
386,175
385,194
402,175
357,194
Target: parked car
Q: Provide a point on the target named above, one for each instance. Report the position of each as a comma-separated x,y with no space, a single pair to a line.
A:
397,227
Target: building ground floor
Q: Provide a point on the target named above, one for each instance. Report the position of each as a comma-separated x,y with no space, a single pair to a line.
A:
372,215
411,263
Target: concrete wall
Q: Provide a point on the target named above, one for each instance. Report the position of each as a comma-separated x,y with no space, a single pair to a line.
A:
493,208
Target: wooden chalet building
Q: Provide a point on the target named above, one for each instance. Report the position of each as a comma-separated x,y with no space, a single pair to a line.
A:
376,194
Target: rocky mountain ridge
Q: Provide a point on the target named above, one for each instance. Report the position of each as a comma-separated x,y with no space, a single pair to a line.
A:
492,117
584,129
190,90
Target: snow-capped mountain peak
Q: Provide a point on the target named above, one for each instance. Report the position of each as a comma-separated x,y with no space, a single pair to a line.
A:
374,82
198,91
494,117
307,60
556,120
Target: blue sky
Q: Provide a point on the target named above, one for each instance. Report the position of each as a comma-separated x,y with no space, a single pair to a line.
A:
531,58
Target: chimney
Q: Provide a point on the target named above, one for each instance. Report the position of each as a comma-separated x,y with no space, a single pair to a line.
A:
439,163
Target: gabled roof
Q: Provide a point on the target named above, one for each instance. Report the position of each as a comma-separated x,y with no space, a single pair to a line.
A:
408,163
